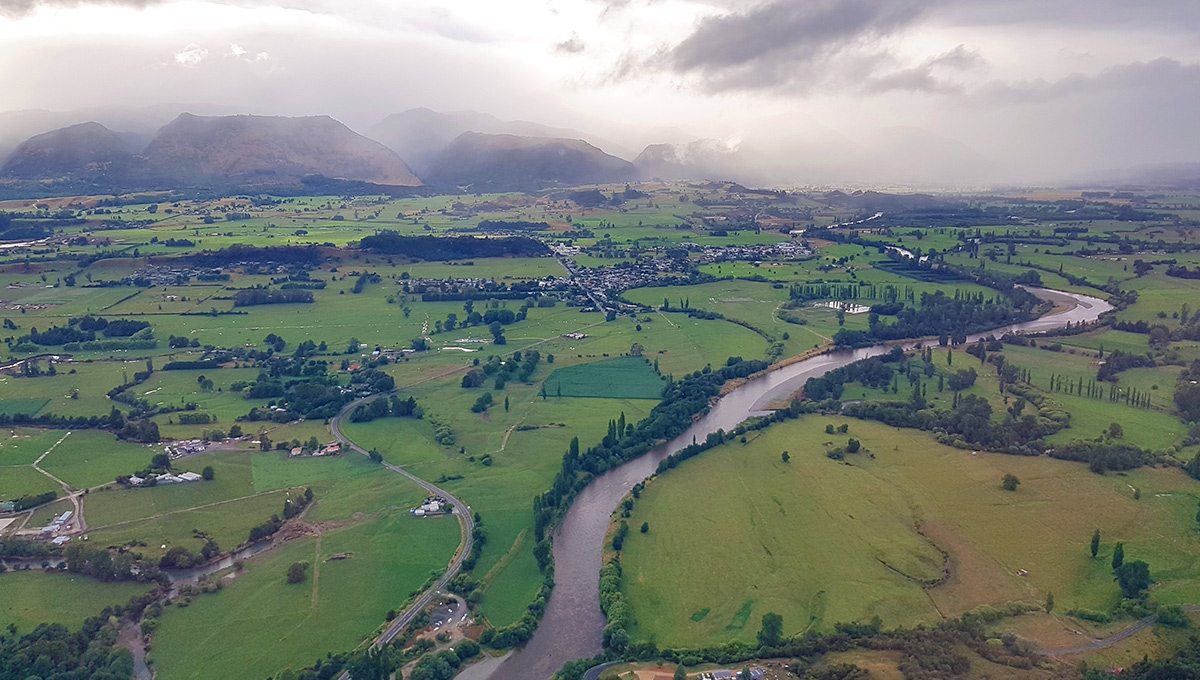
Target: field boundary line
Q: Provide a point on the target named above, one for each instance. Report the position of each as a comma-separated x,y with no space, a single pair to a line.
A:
197,507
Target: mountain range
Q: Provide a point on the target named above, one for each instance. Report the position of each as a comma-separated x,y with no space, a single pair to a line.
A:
115,151
209,151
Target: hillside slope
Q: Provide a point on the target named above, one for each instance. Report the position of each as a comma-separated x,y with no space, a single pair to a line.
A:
269,149
73,151
495,162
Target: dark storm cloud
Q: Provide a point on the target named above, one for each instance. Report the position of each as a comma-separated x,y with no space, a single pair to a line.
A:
794,47
1174,14
924,77
1163,75
794,33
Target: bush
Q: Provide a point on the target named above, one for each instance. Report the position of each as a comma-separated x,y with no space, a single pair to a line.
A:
298,572
1173,616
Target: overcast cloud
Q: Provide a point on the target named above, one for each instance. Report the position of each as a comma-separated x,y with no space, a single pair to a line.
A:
1019,90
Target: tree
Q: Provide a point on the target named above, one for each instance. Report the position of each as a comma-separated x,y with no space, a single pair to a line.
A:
160,460
786,457
1049,602
1115,431
853,446
1010,482
772,630
636,349
1133,577
506,404
208,473
1118,556
298,572
680,673
1095,542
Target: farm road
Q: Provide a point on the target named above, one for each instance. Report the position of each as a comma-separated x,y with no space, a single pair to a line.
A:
1119,636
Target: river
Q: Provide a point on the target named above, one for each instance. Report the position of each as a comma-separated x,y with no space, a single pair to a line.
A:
572,625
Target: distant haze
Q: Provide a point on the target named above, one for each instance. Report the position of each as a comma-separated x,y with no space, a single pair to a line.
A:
918,92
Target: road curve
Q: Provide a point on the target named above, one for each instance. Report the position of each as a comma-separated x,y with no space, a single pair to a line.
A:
465,519
1119,636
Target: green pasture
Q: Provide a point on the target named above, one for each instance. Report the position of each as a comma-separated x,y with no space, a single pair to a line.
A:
273,470
29,598
26,406
90,458
736,533
89,381
18,481
1108,340
232,479
499,268
228,523
620,378
1156,428
1161,294
23,446
341,605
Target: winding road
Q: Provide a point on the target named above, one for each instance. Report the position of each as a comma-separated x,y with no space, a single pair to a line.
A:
1119,636
465,519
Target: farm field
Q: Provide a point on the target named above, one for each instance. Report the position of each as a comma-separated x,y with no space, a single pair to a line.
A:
277,624
737,532
28,598
623,378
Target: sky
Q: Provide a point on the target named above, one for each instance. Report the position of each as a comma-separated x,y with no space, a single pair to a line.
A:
804,90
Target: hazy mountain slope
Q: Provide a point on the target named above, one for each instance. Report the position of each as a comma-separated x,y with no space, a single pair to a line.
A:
83,149
511,161
271,149
701,159
419,135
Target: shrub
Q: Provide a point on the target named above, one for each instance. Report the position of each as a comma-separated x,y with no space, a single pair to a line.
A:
298,572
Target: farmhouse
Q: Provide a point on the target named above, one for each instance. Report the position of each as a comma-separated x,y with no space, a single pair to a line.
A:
433,505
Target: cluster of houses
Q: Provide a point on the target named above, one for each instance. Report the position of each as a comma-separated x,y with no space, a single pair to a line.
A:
433,505
847,307
755,674
331,449
167,478
185,447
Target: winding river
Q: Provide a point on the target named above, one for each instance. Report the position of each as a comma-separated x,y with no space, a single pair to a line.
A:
573,622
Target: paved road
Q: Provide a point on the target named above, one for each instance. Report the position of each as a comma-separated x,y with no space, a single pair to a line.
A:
465,518
1119,636
594,672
